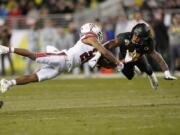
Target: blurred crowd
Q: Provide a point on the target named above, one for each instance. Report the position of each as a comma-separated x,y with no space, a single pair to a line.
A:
165,25
43,7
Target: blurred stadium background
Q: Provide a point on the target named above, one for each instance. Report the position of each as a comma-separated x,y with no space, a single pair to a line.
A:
88,106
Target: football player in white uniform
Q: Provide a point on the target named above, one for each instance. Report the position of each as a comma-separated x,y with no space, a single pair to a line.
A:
58,61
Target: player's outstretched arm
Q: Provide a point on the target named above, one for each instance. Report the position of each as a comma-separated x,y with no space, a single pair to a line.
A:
111,44
164,67
25,53
93,41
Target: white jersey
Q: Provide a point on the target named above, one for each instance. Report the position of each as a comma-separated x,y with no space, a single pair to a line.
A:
56,62
80,52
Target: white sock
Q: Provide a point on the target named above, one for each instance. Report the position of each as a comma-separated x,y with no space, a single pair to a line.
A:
13,82
153,77
11,49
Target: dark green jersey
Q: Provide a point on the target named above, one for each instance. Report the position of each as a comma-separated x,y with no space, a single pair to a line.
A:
126,44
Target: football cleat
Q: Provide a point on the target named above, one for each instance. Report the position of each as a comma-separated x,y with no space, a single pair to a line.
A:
153,81
168,76
5,85
4,49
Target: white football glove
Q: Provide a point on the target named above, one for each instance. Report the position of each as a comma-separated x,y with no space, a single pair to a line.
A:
168,76
128,58
120,67
93,61
4,49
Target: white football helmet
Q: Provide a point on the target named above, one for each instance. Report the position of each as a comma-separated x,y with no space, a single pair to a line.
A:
91,27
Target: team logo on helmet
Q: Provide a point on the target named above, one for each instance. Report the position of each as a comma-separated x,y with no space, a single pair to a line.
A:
146,48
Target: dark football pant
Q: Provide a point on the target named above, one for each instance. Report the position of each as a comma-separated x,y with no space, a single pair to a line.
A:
142,64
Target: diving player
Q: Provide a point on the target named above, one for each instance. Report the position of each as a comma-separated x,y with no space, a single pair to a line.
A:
134,46
59,61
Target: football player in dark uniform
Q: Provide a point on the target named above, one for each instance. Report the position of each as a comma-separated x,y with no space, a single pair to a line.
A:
134,46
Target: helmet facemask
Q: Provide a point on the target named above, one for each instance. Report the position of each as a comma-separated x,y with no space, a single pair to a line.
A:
100,36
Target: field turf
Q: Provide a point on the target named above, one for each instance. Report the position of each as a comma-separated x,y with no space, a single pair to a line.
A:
92,107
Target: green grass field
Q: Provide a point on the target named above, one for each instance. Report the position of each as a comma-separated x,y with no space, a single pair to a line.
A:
92,107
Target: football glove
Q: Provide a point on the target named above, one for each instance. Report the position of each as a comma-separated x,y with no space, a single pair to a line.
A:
120,67
128,58
93,61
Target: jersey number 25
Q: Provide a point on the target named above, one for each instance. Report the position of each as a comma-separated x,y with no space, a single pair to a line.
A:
86,56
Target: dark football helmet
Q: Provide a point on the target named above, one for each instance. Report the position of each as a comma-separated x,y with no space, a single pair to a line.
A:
141,30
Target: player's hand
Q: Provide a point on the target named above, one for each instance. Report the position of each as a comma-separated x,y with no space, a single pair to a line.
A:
93,61
128,58
120,66
168,76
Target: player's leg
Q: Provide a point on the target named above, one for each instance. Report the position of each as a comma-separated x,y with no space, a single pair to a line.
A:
45,58
25,79
50,59
19,51
45,73
128,70
144,66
